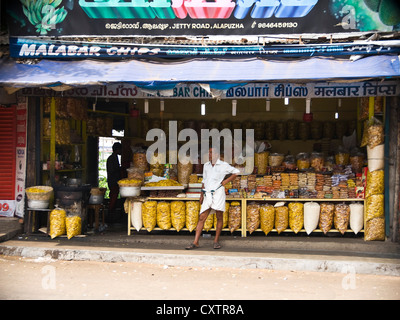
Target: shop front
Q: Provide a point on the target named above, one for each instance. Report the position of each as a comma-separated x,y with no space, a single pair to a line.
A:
313,128
314,168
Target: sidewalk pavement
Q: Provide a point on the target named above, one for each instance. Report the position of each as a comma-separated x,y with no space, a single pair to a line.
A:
299,252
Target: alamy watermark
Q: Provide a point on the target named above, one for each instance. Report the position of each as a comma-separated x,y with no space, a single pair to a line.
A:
237,148
49,277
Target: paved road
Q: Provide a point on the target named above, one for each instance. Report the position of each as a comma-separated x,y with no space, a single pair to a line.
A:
45,278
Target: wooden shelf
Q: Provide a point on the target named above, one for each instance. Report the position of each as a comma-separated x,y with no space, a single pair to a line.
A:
244,201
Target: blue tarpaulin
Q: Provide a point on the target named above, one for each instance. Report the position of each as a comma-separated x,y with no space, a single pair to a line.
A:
219,73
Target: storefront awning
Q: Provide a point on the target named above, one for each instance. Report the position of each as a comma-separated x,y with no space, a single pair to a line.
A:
219,73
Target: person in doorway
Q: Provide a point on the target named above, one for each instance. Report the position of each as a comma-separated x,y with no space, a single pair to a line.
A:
114,175
213,194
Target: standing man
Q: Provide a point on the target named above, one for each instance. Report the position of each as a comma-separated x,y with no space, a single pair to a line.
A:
213,194
114,175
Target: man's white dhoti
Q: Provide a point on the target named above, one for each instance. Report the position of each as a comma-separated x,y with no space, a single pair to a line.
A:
214,200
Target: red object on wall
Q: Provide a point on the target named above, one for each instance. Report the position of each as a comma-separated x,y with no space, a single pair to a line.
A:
307,117
8,141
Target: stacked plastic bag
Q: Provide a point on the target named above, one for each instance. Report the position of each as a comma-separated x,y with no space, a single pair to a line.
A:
373,137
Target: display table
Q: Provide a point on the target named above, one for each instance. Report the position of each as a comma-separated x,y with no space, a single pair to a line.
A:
32,219
244,202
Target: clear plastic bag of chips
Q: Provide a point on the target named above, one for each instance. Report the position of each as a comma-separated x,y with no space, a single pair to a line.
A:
225,216
192,214
208,224
341,217
235,216
296,216
375,183
136,214
184,172
267,218
375,229
292,129
253,217
164,215
149,214
326,216
374,207
356,217
178,215
73,225
373,134
57,222
311,216
281,218
376,135
261,161
140,161
270,130
280,130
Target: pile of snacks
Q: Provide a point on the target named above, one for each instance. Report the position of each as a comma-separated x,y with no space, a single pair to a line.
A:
129,182
39,193
312,185
61,223
164,183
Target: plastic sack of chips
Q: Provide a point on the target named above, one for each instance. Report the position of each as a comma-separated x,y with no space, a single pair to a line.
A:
373,134
73,225
253,217
136,215
341,217
235,216
225,216
326,216
164,215
296,216
376,158
311,216
375,229
57,222
140,161
261,161
356,217
178,214
281,218
375,183
374,207
208,224
376,134
184,172
267,218
149,214
192,214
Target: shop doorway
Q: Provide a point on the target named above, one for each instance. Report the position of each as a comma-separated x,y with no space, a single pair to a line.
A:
105,150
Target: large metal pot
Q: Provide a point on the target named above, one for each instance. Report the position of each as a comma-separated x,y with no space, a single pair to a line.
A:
67,195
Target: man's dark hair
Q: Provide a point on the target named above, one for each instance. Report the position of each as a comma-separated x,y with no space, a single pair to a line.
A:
116,146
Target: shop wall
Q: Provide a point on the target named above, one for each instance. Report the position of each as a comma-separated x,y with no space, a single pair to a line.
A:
393,171
254,110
